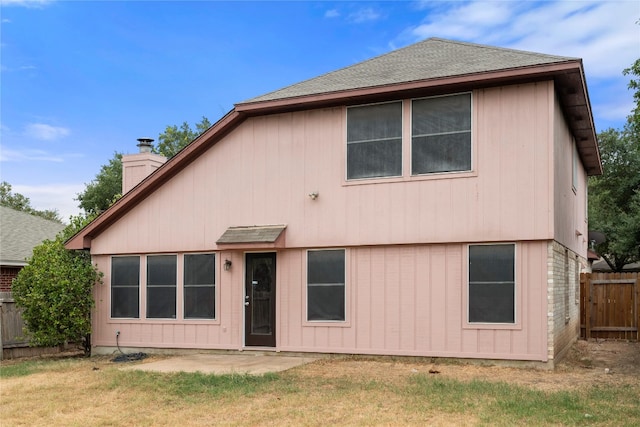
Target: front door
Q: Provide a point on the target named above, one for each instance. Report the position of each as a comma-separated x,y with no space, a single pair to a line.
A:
260,300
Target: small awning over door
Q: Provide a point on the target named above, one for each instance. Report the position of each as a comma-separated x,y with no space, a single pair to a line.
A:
253,237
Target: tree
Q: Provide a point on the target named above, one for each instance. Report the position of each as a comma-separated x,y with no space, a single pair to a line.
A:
105,188
634,84
55,290
21,203
614,197
174,139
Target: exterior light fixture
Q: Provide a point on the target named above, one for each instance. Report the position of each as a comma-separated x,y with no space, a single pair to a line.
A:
227,265
314,195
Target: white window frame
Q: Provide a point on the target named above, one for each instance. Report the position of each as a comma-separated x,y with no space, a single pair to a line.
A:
215,286
346,139
516,324
111,286
330,322
470,131
175,316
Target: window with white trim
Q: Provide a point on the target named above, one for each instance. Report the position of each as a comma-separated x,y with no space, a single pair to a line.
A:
441,134
374,141
326,285
574,166
125,287
161,286
199,286
492,286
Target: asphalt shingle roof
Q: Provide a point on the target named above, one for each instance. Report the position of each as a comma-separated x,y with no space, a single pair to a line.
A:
252,234
20,232
430,59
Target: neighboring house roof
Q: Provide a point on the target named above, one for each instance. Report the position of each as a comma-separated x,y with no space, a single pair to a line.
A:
431,67
20,232
601,265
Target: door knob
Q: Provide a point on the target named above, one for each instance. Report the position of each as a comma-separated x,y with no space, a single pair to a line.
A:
246,303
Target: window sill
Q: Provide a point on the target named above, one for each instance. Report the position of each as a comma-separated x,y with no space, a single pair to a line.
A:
492,326
424,177
327,323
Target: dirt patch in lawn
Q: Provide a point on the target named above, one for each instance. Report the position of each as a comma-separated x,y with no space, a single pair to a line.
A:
587,364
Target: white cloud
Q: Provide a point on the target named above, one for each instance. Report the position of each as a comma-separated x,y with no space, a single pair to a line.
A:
26,3
9,155
45,132
6,21
333,13
364,15
52,196
604,34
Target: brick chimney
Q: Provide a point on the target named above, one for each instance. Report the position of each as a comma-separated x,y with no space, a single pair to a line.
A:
136,167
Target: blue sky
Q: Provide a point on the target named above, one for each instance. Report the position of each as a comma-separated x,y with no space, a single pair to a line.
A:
81,80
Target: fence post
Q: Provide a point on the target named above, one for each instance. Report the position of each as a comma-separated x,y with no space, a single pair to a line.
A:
588,308
1,316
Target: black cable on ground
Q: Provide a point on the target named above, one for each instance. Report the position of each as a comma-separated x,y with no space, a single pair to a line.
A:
127,357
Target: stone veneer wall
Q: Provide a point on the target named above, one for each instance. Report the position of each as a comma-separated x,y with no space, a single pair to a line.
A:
563,297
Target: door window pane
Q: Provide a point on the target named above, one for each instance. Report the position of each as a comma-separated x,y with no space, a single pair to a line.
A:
262,295
199,286
326,285
492,283
374,141
441,134
161,287
125,287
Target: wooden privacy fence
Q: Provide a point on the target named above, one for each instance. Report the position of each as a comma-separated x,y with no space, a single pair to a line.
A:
11,326
609,305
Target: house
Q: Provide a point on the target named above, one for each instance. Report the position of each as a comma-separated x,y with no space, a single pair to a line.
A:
426,202
20,232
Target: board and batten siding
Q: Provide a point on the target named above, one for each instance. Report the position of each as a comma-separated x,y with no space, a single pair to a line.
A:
263,171
406,237
401,300
570,203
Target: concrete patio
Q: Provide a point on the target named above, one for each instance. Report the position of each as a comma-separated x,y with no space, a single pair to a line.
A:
254,364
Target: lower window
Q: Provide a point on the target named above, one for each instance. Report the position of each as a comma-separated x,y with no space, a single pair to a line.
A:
326,285
199,286
125,287
161,287
492,283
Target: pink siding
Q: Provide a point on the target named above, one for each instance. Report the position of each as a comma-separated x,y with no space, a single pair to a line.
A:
136,167
570,205
402,300
406,238
264,170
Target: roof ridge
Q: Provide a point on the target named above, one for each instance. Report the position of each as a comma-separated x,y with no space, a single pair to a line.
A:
498,48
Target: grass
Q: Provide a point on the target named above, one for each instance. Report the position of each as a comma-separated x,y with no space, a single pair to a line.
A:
80,392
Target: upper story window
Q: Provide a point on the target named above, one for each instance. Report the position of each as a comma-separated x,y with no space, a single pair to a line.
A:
374,141
440,139
575,161
441,134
